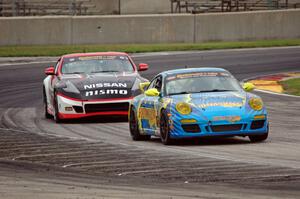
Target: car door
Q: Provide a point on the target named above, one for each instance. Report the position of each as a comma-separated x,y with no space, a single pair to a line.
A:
147,112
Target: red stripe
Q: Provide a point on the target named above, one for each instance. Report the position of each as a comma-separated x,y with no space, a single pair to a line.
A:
74,116
95,100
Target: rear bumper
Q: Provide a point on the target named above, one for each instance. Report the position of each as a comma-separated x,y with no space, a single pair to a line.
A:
70,108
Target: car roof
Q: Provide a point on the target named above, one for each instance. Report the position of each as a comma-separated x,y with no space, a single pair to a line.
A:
191,70
95,54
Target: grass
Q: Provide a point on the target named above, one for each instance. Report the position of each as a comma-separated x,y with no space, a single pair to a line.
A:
57,50
291,86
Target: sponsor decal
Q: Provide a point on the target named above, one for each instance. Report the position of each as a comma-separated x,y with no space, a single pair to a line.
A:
227,118
225,101
105,85
148,114
105,89
224,104
96,58
200,74
106,92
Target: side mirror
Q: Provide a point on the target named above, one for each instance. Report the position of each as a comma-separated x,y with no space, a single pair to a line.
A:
143,67
248,86
143,86
153,92
50,70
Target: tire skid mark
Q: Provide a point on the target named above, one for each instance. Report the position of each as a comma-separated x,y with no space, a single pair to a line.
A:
49,154
112,162
79,158
147,171
227,174
105,149
75,132
124,127
108,130
20,89
6,120
180,169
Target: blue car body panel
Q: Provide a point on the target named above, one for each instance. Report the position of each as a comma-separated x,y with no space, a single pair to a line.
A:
213,113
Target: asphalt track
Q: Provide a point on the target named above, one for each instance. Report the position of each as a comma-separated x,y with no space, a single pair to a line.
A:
36,153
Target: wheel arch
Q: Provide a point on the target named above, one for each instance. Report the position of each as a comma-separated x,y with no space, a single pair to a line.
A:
161,111
131,107
46,88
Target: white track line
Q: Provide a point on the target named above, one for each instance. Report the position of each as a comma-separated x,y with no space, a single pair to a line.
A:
166,53
280,94
27,63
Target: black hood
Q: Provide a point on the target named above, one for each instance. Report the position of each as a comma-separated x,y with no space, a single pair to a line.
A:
98,86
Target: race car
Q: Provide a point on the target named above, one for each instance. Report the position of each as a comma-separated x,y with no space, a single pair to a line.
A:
197,102
91,84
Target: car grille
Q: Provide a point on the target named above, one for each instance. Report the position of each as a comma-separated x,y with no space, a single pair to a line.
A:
191,128
106,107
257,124
224,128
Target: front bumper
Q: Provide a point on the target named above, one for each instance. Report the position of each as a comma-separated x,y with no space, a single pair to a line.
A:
243,128
70,108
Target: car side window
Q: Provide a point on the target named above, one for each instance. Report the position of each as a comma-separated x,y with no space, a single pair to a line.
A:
152,84
156,83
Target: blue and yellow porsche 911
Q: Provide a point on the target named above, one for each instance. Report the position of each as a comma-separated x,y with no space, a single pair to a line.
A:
197,102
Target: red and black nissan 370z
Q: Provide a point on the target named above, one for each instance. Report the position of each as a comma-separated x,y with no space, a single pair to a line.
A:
91,84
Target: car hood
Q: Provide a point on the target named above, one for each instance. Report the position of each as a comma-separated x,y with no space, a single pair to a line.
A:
216,106
98,86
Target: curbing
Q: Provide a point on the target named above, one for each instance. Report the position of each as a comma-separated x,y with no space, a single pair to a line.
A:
269,83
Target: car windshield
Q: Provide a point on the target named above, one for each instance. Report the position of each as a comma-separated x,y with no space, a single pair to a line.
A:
96,64
200,82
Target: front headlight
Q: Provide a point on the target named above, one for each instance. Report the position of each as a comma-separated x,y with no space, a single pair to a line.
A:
183,108
256,104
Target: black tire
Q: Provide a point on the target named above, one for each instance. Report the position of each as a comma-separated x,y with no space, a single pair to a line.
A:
47,115
134,129
258,138
165,129
56,114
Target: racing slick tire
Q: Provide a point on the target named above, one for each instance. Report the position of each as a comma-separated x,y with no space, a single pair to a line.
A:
134,129
259,138
47,115
165,129
56,112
